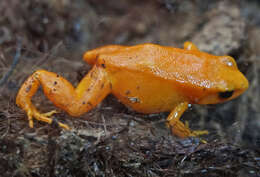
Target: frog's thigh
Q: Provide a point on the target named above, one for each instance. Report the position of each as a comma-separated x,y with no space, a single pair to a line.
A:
92,89
190,46
91,55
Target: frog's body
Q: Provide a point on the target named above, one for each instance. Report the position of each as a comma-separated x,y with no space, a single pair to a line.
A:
147,78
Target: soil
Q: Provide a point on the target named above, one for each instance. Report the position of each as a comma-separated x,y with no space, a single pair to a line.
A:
112,140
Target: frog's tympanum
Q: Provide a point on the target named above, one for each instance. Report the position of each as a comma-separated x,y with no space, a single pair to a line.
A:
147,78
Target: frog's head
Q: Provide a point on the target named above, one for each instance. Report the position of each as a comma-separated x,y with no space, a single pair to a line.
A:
227,82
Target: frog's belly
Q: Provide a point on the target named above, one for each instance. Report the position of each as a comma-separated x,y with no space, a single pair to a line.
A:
145,93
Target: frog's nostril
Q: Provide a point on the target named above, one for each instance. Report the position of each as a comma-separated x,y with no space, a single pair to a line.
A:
226,94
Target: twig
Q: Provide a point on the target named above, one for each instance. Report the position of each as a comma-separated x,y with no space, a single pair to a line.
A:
15,61
104,123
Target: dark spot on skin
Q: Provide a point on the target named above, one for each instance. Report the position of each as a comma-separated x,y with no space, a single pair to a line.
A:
93,75
54,89
28,88
90,104
97,57
138,87
55,82
58,75
102,85
127,92
83,102
225,95
103,65
134,99
88,89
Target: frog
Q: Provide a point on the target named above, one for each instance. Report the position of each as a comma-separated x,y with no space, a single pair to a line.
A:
147,78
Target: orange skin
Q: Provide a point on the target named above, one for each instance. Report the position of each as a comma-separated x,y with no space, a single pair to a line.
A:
147,78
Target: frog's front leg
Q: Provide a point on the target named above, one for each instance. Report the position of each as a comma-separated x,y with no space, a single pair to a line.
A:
177,127
190,46
92,89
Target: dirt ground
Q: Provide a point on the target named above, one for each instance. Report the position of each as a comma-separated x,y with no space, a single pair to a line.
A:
112,140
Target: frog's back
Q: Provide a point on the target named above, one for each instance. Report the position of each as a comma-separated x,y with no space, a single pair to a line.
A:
172,64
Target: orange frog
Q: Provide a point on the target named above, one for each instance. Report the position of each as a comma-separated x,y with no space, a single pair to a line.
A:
148,78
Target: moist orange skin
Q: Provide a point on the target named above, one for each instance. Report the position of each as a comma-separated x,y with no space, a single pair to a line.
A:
147,78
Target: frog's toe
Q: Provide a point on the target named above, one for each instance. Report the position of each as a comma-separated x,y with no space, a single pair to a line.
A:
49,114
196,132
199,132
31,113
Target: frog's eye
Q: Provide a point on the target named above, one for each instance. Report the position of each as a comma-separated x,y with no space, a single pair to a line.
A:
226,94
229,61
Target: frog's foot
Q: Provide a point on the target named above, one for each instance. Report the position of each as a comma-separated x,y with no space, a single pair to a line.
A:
177,127
183,131
32,113
196,132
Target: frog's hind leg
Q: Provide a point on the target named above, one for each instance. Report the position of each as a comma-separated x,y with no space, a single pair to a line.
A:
93,88
177,127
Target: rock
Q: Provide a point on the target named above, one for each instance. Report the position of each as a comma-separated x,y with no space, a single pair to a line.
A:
224,33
